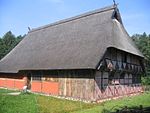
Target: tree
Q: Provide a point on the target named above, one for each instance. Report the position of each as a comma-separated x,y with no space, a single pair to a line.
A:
8,42
2,48
143,43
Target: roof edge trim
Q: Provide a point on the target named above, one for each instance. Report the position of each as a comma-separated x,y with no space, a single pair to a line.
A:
125,51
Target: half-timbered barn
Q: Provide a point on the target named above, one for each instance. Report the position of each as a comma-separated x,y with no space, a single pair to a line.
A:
89,57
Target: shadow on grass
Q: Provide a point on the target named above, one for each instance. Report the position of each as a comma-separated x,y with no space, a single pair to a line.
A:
125,109
26,93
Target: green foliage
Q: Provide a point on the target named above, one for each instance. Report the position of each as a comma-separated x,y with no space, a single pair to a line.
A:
8,42
143,43
146,80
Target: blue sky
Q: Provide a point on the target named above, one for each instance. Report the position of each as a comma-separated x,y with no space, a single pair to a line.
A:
17,15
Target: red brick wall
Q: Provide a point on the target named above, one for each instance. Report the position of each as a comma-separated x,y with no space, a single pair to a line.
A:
12,81
36,86
45,87
19,84
2,82
50,88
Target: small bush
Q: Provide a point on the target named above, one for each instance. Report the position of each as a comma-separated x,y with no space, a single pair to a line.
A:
146,80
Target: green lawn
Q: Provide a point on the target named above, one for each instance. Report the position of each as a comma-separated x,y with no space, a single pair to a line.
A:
24,103
31,103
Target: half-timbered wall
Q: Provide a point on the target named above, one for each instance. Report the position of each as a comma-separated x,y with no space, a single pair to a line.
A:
116,87
118,75
77,84
127,65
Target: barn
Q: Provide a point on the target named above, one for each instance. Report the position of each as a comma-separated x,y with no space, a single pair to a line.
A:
88,57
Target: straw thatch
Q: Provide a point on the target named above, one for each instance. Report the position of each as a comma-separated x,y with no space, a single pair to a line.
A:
75,43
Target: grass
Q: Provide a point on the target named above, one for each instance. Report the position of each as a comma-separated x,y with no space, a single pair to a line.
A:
54,105
4,91
31,103
112,105
17,104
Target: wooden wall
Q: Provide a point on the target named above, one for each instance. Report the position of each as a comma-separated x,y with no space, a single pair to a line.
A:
78,84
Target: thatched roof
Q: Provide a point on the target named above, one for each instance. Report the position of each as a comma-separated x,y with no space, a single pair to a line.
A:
74,43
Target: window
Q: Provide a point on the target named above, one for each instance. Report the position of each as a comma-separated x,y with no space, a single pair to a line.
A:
51,79
113,54
122,75
130,79
122,78
128,58
116,16
119,56
107,55
136,78
113,78
51,76
124,57
105,79
126,79
37,75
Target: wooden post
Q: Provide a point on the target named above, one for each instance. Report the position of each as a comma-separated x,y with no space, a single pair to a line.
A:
41,72
14,83
31,78
65,84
